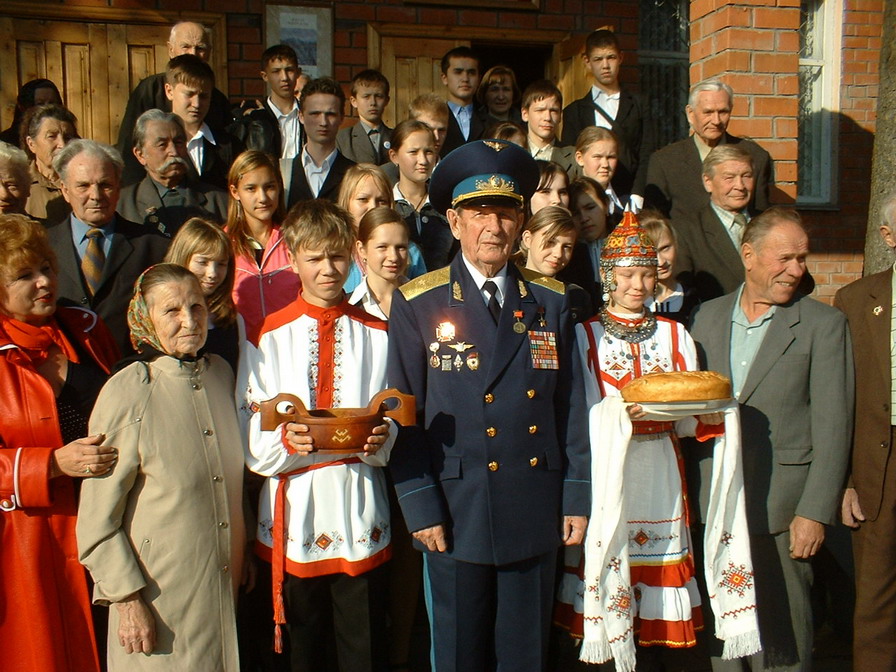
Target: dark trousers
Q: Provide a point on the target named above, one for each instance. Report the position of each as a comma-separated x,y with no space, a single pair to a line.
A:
353,608
487,617
874,549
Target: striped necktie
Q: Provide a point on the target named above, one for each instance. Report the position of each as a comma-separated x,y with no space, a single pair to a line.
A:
93,260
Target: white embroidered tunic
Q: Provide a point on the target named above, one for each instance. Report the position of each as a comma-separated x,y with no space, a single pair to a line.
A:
336,508
654,506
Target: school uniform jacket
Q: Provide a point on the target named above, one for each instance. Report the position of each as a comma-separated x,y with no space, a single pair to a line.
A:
500,449
354,144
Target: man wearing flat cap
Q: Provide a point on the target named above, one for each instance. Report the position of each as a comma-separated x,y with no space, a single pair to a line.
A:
495,474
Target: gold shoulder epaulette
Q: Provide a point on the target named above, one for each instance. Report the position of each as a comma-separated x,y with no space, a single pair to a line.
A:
426,282
535,278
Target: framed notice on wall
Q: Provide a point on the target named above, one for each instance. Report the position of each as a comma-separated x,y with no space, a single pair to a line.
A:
308,30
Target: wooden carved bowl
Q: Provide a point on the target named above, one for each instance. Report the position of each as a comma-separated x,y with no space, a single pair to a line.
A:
338,430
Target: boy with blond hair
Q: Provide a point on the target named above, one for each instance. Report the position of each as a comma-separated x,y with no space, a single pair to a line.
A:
323,520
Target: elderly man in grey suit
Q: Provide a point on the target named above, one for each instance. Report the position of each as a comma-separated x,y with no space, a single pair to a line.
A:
709,243
166,197
791,369
674,173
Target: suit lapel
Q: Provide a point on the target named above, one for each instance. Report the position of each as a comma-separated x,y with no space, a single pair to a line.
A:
67,258
880,293
719,240
777,339
147,197
361,145
119,251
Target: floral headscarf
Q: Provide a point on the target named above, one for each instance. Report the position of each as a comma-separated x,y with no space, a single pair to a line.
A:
143,332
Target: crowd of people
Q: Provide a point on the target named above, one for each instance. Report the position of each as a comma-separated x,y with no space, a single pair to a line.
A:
512,278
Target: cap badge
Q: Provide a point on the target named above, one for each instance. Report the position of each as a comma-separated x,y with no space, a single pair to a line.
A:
497,146
495,183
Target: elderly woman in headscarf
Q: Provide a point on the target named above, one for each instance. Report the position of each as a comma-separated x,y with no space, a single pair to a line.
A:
15,180
53,362
163,534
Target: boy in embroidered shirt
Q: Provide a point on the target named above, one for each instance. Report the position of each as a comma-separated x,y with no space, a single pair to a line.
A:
323,518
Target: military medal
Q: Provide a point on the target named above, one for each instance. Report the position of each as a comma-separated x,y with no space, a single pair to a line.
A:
458,363
446,362
473,361
541,321
543,346
518,326
444,332
434,361
460,346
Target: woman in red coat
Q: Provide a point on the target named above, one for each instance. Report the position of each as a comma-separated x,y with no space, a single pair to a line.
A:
52,365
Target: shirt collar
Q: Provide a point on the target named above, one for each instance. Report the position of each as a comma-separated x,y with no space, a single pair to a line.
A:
398,196
500,278
317,312
455,108
597,93
162,189
308,162
203,132
740,317
278,113
80,229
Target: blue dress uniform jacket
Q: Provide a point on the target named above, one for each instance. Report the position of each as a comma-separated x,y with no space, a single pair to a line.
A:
500,450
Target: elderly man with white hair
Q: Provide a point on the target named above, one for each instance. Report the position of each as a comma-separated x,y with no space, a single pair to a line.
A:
99,253
15,180
675,172
187,37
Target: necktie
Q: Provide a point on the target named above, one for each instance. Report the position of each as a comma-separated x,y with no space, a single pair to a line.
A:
93,260
740,221
493,306
374,135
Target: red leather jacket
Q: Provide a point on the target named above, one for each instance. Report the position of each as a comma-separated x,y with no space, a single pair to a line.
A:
47,624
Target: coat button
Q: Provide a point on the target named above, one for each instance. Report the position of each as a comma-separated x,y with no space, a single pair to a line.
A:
533,429
217,479
493,466
530,394
222,524
489,398
225,569
491,431
533,462
207,432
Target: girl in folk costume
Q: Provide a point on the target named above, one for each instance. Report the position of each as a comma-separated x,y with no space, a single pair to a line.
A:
637,581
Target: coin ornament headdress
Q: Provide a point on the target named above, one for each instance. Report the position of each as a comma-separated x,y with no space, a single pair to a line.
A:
627,245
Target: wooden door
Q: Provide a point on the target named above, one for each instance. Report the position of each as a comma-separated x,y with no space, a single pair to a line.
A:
412,66
568,69
95,56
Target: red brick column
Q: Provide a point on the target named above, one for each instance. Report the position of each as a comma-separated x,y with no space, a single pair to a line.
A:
753,46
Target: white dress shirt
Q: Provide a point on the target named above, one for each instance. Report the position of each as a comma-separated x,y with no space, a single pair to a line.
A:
195,147
290,130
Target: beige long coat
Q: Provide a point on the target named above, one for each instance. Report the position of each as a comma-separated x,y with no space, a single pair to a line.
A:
167,521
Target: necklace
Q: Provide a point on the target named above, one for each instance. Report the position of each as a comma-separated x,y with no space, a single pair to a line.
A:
630,331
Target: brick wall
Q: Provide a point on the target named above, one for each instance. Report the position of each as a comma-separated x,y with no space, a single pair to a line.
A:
754,46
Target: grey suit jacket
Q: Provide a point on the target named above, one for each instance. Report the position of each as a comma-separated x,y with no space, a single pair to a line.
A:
141,203
675,178
565,157
796,411
353,143
706,258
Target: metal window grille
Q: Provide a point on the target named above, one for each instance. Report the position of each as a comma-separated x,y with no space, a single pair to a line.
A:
664,60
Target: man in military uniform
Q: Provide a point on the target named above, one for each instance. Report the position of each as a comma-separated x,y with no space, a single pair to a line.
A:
495,475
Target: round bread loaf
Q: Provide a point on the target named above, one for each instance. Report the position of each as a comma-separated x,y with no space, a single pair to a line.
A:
678,386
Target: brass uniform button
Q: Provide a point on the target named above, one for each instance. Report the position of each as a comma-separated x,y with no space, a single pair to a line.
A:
533,429
493,466
489,398
533,462
530,394
491,431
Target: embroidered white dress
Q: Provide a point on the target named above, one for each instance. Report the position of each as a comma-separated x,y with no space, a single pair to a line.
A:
654,499
336,506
